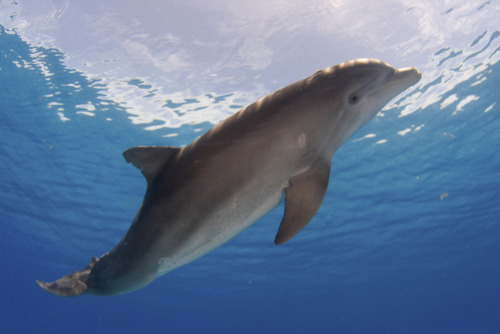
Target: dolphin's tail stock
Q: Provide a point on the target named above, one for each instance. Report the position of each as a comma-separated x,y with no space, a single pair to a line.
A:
70,285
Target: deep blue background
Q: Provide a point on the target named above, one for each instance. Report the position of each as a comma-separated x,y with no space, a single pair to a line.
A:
407,239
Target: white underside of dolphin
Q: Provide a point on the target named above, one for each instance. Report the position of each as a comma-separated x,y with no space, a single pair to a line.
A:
201,196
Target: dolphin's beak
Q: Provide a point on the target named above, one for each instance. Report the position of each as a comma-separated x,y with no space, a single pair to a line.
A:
409,75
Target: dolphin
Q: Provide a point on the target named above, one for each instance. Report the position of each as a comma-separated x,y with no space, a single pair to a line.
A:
200,196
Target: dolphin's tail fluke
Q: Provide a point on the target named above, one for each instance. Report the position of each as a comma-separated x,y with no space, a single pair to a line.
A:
70,285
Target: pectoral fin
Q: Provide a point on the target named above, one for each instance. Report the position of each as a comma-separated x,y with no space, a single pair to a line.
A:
303,198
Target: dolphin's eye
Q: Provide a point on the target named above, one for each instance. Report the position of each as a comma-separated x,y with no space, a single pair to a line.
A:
353,99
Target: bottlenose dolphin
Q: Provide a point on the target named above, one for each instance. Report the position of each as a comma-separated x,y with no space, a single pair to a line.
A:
204,194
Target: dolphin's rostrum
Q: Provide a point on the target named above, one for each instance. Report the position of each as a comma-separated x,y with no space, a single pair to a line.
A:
204,194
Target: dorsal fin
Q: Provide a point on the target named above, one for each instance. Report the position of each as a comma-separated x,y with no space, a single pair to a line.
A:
150,159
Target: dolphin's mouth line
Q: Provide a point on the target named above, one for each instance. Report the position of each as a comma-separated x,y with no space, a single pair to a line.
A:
410,73
401,79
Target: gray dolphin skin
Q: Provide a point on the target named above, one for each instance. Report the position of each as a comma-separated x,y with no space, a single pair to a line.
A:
204,194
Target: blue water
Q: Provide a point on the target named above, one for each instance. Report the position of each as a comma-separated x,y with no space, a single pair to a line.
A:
406,241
